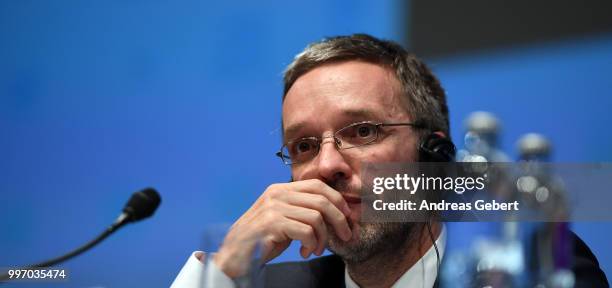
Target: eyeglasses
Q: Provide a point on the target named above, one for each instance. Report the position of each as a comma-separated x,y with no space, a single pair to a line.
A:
354,135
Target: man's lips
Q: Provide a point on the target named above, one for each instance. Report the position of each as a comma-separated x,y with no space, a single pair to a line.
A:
351,200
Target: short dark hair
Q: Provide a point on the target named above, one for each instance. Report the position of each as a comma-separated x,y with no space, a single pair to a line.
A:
426,100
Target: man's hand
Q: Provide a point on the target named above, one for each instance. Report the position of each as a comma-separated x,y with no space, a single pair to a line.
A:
285,212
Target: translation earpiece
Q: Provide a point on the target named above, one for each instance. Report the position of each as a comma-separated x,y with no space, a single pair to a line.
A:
436,148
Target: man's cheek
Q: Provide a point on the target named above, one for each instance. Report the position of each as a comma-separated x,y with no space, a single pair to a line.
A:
384,154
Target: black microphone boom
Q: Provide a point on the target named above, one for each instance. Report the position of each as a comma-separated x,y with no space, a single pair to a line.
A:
141,205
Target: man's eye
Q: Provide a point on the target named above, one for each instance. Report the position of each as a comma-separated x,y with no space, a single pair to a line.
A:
365,130
303,146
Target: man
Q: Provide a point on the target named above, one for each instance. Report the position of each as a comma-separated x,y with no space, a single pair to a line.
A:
347,100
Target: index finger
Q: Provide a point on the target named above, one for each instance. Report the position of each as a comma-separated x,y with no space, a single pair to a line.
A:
316,186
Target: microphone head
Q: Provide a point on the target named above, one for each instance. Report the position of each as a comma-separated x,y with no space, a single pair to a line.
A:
142,204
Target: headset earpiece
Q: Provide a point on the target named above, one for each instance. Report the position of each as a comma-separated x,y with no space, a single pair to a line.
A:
436,148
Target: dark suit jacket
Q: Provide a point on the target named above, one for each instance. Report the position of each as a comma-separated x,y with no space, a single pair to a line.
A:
328,271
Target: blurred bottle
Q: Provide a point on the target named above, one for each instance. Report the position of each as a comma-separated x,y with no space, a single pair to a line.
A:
543,192
481,139
534,147
495,257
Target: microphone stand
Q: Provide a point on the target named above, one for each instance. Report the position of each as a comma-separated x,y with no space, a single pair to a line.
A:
141,205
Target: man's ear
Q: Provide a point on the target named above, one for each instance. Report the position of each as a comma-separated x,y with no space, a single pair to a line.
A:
440,133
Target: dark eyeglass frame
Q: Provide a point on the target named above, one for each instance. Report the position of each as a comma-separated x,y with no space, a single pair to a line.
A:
338,142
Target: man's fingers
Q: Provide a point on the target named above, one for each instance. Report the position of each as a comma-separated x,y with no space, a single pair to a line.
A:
299,231
330,213
313,218
298,210
304,252
315,186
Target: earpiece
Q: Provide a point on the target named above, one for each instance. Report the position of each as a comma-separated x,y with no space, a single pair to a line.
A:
436,148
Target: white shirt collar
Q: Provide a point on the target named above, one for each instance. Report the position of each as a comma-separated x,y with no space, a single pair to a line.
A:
422,274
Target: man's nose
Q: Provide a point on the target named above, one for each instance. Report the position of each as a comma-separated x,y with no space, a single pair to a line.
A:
332,164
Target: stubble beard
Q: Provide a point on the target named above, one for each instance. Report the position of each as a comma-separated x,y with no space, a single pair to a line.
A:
373,240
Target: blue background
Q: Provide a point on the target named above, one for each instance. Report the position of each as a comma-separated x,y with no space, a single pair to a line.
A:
100,99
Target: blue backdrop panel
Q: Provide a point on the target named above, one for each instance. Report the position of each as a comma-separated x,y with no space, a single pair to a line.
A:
99,99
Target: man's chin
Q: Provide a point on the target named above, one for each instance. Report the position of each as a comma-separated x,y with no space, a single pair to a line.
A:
355,249
371,239
348,250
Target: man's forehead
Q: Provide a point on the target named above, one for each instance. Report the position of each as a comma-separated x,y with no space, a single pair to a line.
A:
351,89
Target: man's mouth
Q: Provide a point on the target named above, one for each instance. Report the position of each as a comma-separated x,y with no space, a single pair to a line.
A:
351,199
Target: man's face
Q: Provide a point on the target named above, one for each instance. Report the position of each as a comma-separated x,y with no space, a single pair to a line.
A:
329,98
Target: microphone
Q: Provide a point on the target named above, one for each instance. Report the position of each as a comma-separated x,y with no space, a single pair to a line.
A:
141,205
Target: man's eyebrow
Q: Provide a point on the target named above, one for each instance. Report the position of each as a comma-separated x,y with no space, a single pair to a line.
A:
292,130
359,113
